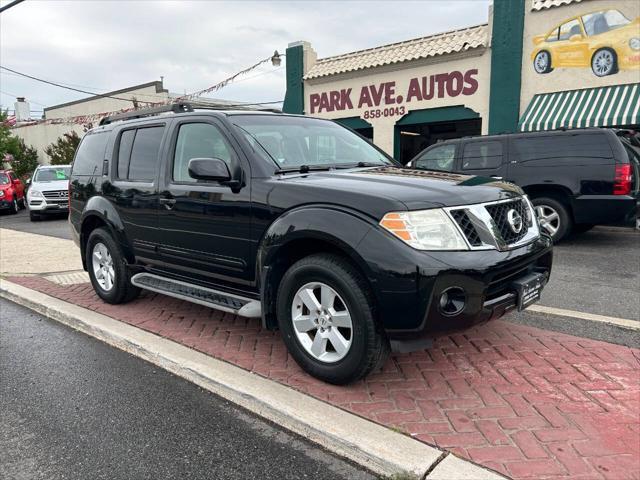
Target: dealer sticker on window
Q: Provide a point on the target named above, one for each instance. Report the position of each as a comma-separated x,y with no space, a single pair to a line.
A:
529,289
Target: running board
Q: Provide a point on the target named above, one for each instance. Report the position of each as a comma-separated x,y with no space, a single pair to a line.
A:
227,302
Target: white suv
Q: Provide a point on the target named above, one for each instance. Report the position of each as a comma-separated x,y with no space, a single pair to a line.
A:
49,191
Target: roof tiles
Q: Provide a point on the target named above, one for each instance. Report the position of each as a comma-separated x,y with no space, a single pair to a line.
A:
418,48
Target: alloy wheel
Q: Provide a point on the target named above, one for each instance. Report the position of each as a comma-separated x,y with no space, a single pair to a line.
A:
548,218
322,322
541,62
603,63
102,264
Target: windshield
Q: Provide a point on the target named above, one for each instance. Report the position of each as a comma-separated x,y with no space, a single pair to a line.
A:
292,142
601,22
4,179
52,174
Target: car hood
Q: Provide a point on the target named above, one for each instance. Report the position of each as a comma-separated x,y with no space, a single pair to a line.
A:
50,186
382,189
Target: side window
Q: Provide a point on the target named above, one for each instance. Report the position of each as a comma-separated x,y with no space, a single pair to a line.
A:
198,140
558,149
482,155
90,154
438,158
124,153
553,36
144,154
570,29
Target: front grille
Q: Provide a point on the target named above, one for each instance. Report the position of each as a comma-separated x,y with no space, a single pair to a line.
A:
56,195
463,221
500,214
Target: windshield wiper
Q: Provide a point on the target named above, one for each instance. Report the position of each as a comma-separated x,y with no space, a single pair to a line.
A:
361,165
305,169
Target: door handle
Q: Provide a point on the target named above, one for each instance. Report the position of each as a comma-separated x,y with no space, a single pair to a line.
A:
168,202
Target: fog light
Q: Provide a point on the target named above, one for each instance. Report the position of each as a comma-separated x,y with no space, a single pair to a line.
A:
452,301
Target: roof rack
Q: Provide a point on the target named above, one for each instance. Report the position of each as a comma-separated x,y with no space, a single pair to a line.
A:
147,112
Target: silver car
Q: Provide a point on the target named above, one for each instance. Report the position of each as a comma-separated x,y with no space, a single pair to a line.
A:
49,191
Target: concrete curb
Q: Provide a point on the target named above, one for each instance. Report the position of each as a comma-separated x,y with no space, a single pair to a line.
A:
374,447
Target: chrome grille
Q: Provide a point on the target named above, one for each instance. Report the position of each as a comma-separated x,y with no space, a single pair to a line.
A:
499,212
469,231
56,195
486,226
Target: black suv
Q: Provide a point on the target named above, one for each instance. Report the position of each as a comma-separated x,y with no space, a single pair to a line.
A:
304,224
575,178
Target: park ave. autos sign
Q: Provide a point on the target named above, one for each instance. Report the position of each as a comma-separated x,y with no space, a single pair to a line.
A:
393,99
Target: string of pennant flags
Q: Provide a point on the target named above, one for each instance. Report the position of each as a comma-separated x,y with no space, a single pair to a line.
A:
96,117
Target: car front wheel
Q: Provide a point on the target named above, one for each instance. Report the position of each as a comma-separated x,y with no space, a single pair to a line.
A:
542,62
604,62
108,268
14,206
325,313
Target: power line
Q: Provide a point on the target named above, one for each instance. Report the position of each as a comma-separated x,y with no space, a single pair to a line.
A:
70,88
9,5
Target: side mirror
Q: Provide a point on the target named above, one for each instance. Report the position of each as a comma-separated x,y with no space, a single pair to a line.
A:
209,169
575,38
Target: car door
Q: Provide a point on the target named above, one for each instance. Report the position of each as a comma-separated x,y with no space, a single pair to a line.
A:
485,157
134,189
438,157
17,185
205,225
572,47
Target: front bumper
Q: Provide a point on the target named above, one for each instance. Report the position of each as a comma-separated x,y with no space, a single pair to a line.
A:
408,294
42,205
6,204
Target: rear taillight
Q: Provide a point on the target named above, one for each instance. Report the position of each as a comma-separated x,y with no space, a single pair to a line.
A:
622,181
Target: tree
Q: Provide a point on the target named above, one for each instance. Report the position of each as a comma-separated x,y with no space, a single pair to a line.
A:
61,152
23,159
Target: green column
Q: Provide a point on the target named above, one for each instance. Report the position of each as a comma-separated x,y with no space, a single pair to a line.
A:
294,96
506,65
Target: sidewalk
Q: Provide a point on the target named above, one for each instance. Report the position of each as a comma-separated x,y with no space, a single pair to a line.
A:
525,402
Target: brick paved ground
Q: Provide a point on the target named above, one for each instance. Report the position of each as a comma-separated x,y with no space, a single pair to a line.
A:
526,402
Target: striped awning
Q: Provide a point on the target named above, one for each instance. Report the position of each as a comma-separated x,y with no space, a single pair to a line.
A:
618,105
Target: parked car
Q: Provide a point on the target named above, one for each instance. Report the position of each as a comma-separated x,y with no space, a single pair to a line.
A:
575,179
604,40
11,192
304,224
49,191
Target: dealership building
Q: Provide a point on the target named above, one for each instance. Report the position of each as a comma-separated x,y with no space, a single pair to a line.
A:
536,65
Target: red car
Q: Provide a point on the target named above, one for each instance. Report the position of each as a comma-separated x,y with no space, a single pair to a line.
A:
11,192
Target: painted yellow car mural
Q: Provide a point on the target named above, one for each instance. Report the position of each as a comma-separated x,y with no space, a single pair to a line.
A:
604,40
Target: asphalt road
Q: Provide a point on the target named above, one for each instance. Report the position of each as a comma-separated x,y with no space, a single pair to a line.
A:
54,225
71,407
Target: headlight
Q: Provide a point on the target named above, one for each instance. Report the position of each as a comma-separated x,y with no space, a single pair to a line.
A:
634,43
425,229
1,193
35,193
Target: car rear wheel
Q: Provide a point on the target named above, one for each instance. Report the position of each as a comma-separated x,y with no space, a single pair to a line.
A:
604,62
553,216
108,269
542,62
325,313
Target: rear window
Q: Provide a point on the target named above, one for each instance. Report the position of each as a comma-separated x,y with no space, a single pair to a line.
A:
562,148
138,154
90,154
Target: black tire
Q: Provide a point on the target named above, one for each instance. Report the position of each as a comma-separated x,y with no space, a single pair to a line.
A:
369,346
34,217
23,203
565,223
604,71
538,67
122,290
581,228
14,207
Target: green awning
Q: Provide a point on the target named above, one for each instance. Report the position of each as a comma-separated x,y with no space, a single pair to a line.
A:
614,106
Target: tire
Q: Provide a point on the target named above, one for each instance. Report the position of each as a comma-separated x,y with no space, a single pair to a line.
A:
542,62
114,287
23,203
604,62
556,226
368,347
14,207
581,228
34,217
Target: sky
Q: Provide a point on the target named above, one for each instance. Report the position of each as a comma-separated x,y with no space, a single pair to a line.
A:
102,46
